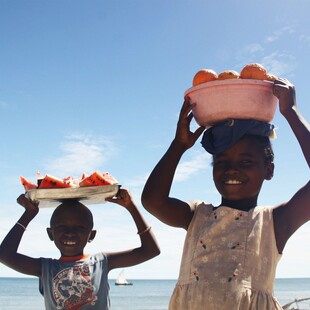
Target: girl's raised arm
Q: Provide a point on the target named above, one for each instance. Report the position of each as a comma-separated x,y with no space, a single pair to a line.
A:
155,196
291,215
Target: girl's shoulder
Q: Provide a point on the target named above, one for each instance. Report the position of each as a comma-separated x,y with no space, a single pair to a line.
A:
200,205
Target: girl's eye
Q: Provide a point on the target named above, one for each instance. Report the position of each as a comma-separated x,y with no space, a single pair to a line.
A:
220,163
246,162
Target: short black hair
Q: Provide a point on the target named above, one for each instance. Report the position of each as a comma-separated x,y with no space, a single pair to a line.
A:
74,206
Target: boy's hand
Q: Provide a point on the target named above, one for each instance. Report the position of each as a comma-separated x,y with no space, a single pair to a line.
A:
183,133
122,198
285,91
30,207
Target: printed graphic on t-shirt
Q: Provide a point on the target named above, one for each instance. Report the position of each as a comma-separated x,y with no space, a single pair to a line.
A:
72,288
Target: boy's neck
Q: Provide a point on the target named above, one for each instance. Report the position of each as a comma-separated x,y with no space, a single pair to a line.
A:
73,258
243,205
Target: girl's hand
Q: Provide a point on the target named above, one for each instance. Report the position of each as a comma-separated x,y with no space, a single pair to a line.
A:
30,207
122,198
183,134
285,92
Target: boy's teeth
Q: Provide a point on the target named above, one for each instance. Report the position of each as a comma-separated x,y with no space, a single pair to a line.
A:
69,242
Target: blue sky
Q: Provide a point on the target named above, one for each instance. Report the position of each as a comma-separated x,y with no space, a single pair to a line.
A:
97,85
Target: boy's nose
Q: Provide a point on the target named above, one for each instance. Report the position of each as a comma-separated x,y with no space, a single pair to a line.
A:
70,231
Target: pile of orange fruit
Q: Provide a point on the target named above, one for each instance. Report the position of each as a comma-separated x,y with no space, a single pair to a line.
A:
251,71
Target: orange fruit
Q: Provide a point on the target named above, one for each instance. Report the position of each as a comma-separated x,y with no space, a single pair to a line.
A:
254,71
203,76
228,74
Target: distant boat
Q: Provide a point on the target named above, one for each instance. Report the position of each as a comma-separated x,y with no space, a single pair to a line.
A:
121,279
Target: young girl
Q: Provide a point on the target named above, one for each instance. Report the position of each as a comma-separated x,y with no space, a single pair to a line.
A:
75,280
231,251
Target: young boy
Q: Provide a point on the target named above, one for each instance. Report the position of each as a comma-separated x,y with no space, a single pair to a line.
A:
75,280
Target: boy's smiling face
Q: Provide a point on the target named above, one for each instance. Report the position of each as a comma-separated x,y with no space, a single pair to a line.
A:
240,171
71,229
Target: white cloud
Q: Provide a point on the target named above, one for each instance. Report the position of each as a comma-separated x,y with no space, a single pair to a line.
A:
199,161
254,48
81,152
277,63
276,35
280,64
249,53
137,182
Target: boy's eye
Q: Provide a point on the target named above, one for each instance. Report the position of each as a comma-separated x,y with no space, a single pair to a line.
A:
78,229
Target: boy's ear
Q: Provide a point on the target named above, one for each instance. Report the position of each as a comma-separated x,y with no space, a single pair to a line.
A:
270,170
92,235
50,233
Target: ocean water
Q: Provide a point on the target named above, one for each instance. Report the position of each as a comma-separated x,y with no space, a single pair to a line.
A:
23,294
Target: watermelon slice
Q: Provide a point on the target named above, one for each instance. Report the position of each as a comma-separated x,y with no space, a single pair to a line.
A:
39,178
109,178
98,179
52,182
27,184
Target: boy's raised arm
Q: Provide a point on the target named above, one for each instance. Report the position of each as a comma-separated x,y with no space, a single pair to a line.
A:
149,247
9,246
155,196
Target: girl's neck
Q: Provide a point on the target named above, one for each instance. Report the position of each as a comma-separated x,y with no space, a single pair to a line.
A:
243,205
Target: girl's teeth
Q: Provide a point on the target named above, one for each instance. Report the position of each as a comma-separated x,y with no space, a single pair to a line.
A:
233,182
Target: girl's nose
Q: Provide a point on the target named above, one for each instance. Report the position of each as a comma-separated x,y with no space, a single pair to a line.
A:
232,166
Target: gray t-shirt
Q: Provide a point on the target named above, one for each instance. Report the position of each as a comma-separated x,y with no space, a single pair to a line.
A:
75,285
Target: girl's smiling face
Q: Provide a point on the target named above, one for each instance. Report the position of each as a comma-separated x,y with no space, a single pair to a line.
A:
71,229
240,171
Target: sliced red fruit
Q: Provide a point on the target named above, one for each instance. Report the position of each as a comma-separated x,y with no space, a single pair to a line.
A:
39,178
69,180
53,182
98,179
27,184
109,178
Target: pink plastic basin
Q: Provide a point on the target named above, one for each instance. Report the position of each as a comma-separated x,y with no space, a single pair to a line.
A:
240,98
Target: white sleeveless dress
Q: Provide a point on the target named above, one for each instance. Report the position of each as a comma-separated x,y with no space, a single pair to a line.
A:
229,261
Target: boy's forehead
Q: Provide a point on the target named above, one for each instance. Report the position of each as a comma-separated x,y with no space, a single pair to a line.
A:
71,210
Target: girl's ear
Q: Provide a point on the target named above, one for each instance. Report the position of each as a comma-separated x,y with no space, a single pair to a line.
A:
269,172
50,233
92,235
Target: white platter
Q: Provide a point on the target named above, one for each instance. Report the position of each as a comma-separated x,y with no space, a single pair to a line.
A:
53,197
